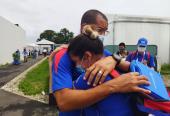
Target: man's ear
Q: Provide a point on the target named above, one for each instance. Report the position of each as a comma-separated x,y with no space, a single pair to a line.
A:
81,28
87,56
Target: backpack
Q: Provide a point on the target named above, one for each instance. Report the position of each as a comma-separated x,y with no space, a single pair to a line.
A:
145,106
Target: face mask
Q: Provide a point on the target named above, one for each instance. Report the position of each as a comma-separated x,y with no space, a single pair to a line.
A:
121,49
102,37
80,69
141,49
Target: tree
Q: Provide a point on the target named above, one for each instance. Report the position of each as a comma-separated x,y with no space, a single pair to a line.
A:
66,35
47,34
59,38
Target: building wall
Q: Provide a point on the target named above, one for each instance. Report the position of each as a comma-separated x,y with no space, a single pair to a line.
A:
157,34
12,38
131,29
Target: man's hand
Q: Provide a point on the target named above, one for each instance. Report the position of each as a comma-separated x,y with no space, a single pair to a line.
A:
99,70
128,82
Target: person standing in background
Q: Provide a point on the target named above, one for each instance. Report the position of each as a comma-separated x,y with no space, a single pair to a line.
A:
25,54
123,53
141,54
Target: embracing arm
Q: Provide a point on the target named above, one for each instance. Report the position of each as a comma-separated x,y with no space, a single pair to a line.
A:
105,65
68,99
124,65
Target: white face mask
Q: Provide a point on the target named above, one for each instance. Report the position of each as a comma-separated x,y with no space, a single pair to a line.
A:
79,67
102,37
141,49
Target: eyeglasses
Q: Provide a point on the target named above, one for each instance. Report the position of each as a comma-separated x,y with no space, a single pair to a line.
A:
102,31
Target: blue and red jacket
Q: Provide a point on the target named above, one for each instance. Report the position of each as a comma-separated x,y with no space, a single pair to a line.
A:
63,75
117,104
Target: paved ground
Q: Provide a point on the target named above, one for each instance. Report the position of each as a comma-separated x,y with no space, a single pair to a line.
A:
15,105
11,71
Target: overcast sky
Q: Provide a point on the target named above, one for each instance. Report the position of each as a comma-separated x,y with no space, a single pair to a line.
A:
34,16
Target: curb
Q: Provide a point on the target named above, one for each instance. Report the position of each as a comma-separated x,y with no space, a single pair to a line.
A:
12,86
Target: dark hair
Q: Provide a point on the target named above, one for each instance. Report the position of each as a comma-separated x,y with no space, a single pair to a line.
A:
82,43
89,17
122,44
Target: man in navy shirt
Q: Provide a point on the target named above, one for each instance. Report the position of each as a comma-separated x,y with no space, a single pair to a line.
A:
141,54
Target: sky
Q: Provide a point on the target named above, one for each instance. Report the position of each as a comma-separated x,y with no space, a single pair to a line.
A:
35,16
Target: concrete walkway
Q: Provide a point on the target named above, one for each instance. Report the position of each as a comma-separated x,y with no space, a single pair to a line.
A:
11,71
15,105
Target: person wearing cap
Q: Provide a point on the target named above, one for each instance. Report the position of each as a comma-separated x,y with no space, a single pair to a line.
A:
141,54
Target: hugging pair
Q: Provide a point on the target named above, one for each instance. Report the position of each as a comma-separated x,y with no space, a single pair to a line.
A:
84,50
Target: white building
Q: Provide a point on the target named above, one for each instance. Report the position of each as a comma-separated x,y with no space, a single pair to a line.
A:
129,29
12,37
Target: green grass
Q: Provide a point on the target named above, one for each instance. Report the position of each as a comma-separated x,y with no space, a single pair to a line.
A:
36,80
165,69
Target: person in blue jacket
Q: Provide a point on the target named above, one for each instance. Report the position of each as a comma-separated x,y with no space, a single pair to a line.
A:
84,50
64,72
141,54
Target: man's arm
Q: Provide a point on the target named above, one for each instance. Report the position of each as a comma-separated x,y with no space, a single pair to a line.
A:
124,65
105,65
68,99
